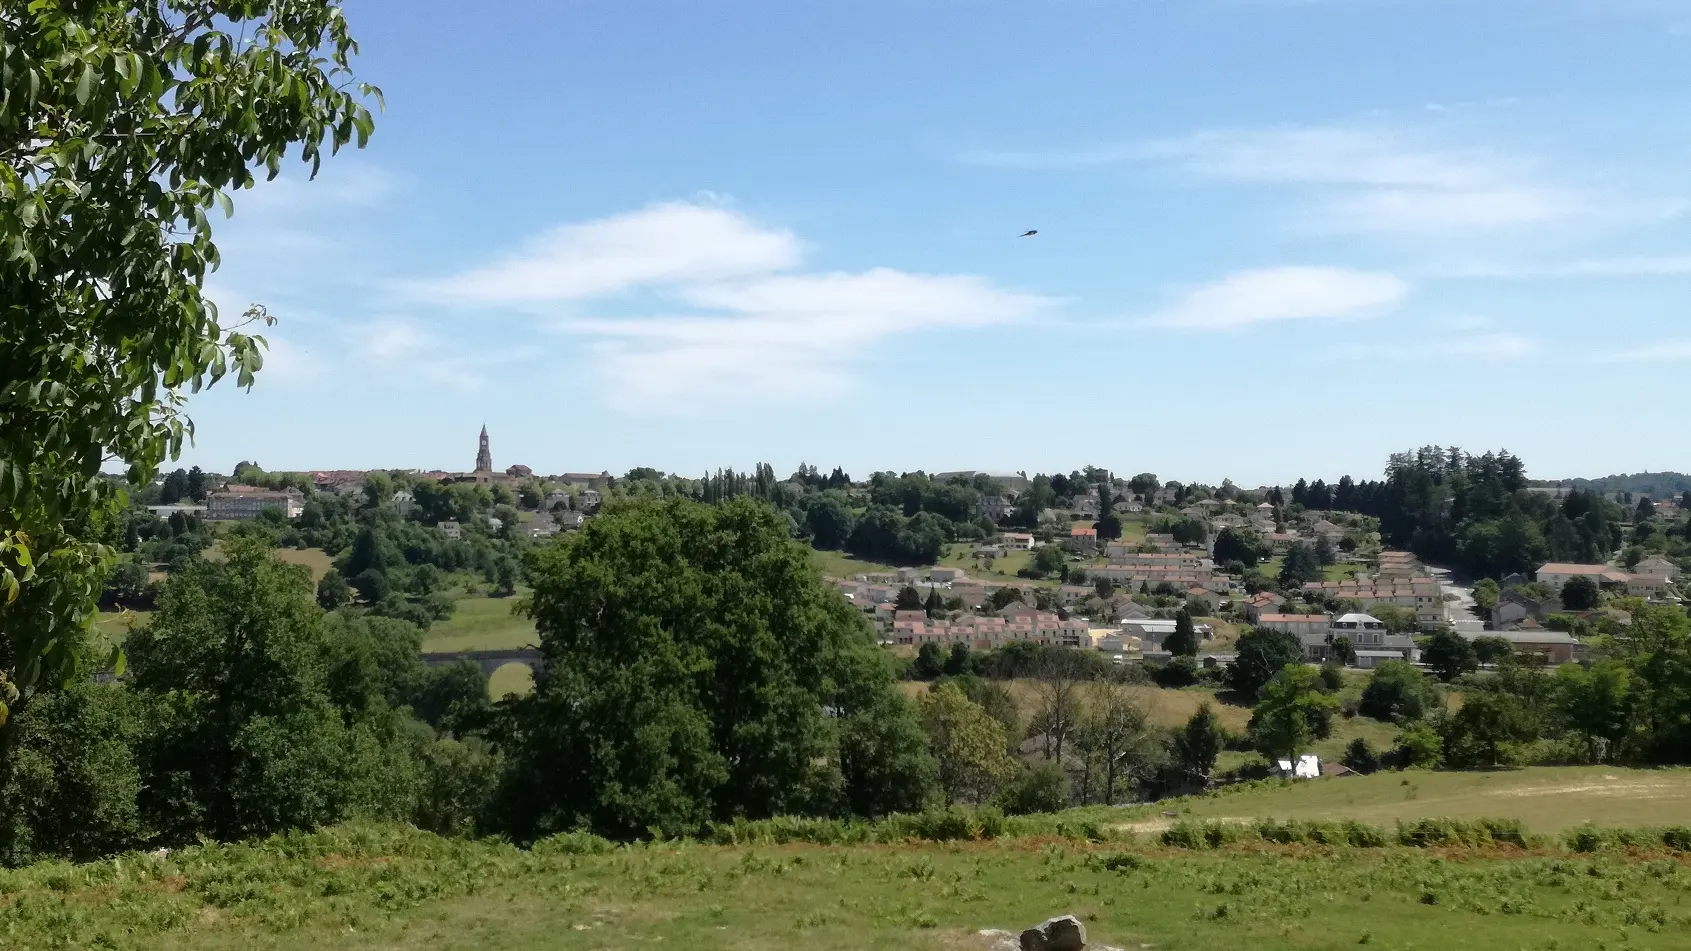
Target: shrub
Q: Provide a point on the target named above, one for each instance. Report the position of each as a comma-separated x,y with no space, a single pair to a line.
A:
1179,672
574,843
1419,745
1397,691
1042,788
1359,756
74,778
1426,833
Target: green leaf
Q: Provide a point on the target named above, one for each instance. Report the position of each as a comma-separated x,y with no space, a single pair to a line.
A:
85,85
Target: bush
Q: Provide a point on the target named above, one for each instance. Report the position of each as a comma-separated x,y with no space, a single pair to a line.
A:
1397,691
574,843
1359,756
459,778
1179,672
74,778
1476,833
1042,788
1419,745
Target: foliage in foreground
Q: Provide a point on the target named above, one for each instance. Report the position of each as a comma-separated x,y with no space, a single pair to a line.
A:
125,124
361,886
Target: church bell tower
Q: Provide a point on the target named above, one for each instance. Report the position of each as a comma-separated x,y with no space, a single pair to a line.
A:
484,456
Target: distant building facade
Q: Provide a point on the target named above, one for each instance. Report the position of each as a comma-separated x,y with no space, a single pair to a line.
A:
241,503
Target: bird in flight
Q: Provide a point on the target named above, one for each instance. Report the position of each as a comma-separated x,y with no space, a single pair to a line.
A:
1029,234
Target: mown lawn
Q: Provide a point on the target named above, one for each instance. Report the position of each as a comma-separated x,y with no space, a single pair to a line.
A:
368,889
481,623
1003,568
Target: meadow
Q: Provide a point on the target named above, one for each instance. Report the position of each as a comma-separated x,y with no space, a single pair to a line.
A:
364,888
1547,799
481,623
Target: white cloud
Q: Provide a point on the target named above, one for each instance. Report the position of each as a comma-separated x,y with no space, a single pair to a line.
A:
662,244
1284,293
1360,179
735,317
781,337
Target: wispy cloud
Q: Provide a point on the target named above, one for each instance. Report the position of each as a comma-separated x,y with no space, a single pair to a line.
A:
681,305
1498,345
783,336
404,350
1358,179
1667,351
1281,294
1665,265
662,244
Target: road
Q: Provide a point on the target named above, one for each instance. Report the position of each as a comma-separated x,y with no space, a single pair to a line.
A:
1462,609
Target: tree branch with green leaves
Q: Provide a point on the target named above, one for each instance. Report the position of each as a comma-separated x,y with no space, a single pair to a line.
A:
123,124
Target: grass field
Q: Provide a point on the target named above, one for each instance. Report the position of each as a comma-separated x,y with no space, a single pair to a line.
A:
1003,568
509,679
361,889
116,625
1163,707
838,564
1546,798
481,623
315,559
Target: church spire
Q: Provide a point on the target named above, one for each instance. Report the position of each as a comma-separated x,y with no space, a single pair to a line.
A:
484,456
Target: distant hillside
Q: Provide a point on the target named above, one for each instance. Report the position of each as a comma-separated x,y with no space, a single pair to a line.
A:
1657,485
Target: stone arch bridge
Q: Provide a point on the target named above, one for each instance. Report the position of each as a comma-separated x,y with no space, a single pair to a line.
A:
488,661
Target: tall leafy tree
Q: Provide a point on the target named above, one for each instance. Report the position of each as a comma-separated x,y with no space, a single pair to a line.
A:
1449,655
696,667
1198,744
1238,544
246,736
126,124
968,745
1300,567
1261,654
1184,641
1580,594
1292,706
1398,692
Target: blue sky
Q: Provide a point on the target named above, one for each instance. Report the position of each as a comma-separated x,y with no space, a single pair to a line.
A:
1276,238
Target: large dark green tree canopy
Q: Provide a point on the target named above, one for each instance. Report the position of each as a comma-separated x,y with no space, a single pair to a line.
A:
697,668
124,124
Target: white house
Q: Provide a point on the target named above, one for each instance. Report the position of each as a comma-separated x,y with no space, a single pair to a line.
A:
451,530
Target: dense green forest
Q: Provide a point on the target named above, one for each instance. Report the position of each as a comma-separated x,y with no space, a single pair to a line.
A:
1478,513
1655,485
